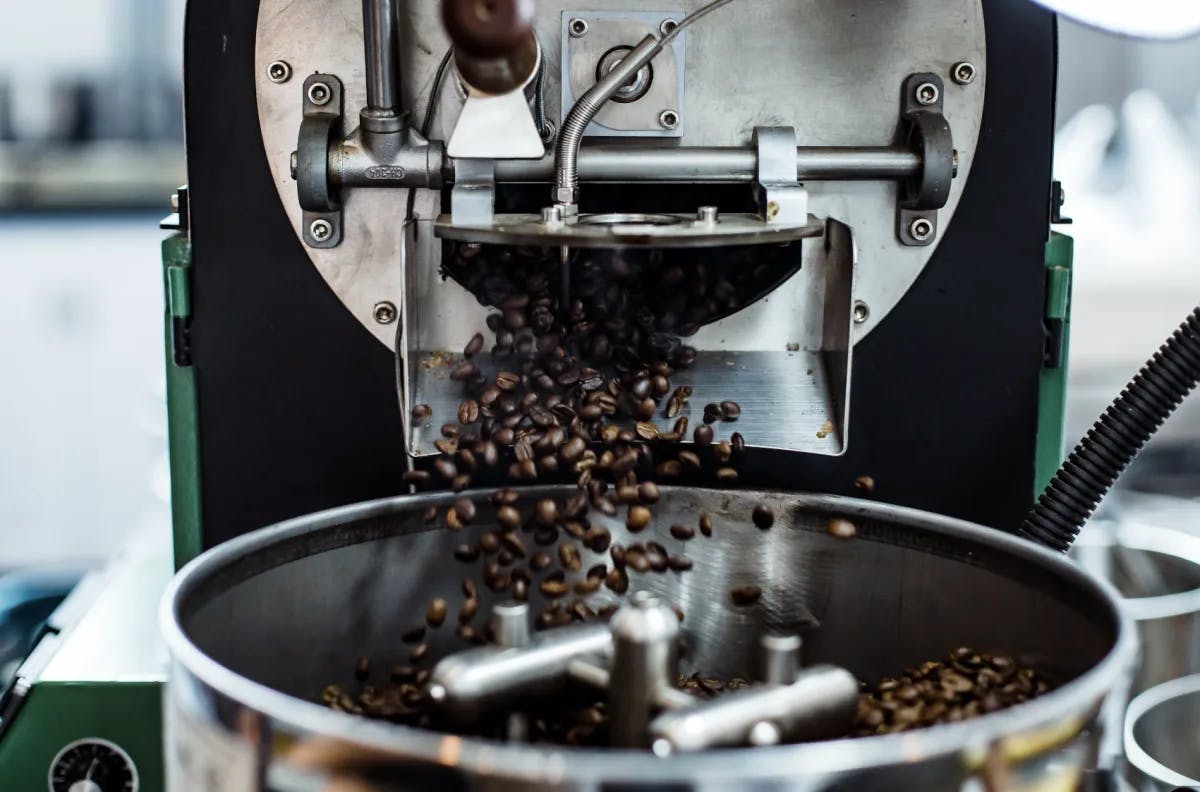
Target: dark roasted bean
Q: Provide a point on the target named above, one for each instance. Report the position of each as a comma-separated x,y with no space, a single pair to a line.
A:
474,346
422,413
460,482
745,595
447,446
638,518
445,468
540,561
436,614
413,634
703,435
730,410
568,556
737,443
617,581
722,451
764,516
683,532
430,515
865,484
508,517
507,381
553,588
597,539
419,477
617,552
648,492
647,430
513,542
712,413
468,412
464,372
469,608
679,563
727,475
706,524
465,508
669,469
690,460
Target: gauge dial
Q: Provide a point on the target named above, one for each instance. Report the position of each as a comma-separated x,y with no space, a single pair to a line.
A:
93,766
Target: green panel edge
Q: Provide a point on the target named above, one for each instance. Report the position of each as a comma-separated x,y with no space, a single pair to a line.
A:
57,713
1052,398
182,411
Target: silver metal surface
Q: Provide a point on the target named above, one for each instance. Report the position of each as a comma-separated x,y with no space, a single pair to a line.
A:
510,624
468,685
820,704
786,359
279,72
622,231
850,54
1157,572
473,198
1161,728
498,126
259,625
589,673
782,200
645,636
598,163
780,659
611,34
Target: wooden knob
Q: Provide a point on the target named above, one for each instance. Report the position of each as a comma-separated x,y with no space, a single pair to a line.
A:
488,28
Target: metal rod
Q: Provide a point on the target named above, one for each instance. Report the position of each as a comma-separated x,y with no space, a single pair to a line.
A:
716,164
644,660
381,37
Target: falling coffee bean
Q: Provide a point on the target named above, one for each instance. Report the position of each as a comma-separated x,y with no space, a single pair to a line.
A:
683,532
745,595
703,435
730,410
865,484
422,413
474,346
706,524
842,528
436,614
764,516
638,518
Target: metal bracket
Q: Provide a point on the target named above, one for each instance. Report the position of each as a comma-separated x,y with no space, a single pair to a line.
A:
473,199
782,199
928,133
319,132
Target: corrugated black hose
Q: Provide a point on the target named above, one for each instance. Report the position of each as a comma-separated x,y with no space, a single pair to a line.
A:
1115,440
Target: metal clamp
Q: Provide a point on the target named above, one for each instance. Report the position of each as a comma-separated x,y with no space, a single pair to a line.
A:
782,200
319,132
928,134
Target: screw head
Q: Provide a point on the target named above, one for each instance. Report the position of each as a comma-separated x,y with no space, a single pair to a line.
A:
927,93
861,312
920,229
667,26
279,71
294,163
963,73
577,27
385,312
668,119
320,229
319,93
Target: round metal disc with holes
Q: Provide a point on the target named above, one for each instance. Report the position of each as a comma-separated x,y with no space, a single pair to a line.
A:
835,75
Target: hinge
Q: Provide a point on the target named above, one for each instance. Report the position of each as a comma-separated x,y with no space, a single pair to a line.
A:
1057,199
178,219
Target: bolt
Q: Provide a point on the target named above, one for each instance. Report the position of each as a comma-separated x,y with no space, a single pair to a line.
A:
920,229
385,313
577,27
320,229
552,215
294,163
667,26
963,73
668,119
279,72
927,93
708,215
319,93
861,312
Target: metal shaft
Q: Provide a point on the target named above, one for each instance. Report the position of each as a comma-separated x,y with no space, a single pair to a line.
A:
715,164
381,37
645,648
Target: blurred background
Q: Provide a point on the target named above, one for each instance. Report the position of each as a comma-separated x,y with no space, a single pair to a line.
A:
91,148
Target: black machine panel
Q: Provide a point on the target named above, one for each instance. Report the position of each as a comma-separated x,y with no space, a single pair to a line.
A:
297,404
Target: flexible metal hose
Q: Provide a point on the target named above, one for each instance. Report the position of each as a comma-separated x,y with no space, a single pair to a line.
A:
585,109
1115,440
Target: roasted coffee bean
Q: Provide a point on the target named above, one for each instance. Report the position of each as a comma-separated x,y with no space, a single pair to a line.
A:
421,478
362,669
430,515
656,557
647,430
648,492
460,482
635,559
660,385
468,412
597,539
546,512
469,590
504,436
617,581
520,591
587,586
544,537
712,413
842,528
763,516
679,431
513,542
598,571
641,388
745,595
445,468
465,509
464,372
468,633
617,553
553,588
447,446
865,484
670,469
730,410
413,634
453,522
690,460
419,653
727,475
505,497
644,410
703,435
638,518
737,443
568,556
573,449
436,614
683,532
507,381
722,451
469,608
540,561
421,413
679,563
508,517
706,524
474,346
527,470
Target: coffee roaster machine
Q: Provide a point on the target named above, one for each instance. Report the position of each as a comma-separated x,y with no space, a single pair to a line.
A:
898,153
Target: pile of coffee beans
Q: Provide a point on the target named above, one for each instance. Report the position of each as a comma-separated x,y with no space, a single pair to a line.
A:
964,685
